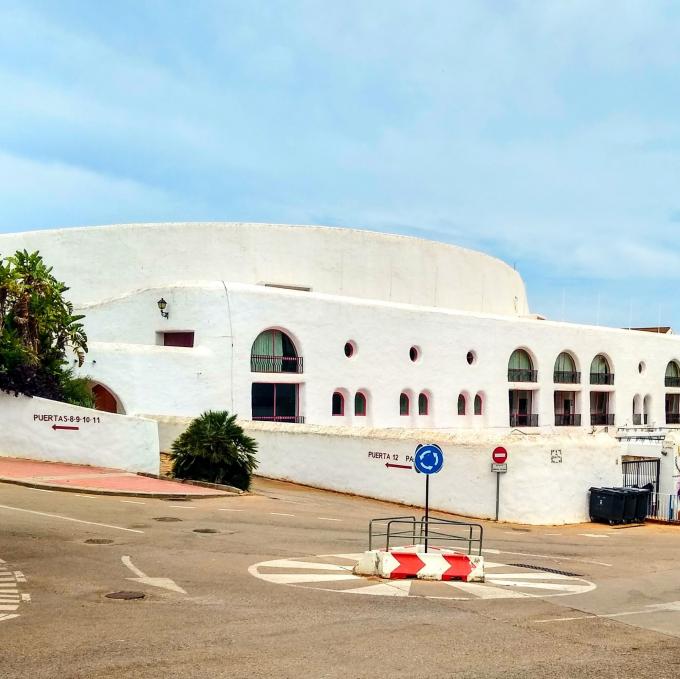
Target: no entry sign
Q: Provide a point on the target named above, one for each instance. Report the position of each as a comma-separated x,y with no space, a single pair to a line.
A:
499,455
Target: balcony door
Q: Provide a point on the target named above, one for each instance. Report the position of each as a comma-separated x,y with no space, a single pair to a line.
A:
275,402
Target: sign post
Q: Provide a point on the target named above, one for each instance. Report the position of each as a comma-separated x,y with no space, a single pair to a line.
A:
499,465
428,460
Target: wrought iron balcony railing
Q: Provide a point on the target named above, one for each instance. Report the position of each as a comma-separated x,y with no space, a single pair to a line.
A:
275,364
519,420
602,378
566,377
522,375
672,418
569,420
296,419
601,419
672,381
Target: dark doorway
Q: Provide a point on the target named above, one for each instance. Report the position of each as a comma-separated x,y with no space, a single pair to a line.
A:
275,402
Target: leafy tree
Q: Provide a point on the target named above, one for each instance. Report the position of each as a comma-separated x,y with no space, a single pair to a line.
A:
38,328
216,449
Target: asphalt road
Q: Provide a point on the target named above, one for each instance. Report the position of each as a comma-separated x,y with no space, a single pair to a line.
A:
270,594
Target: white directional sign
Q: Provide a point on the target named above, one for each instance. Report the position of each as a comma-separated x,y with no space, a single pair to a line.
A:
499,468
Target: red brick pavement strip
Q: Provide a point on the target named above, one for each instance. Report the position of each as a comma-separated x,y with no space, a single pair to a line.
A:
97,480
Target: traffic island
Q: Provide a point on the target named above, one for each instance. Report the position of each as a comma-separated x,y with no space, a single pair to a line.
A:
413,562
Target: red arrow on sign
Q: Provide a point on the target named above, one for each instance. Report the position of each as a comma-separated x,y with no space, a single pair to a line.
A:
398,466
409,565
58,426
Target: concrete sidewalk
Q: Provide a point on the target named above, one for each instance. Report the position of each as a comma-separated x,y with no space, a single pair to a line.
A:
96,480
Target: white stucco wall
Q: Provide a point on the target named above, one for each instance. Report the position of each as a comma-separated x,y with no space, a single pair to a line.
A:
101,262
102,439
226,318
535,490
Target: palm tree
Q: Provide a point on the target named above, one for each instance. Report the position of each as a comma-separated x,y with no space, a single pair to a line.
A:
215,448
38,327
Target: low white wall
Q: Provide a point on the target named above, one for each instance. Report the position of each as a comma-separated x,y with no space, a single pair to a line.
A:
29,428
537,489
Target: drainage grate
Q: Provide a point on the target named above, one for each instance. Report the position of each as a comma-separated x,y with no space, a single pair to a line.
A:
125,596
98,541
167,518
545,570
205,530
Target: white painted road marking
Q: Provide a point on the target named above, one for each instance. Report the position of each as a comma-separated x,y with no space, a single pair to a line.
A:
133,502
10,596
68,518
280,514
552,557
512,582
164,583
671,606
229,510
325,518
593,535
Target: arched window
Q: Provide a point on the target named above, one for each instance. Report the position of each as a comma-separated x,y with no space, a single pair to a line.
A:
404,404
600,372
565,370
338,407
423,404
647,409
520,367
360,404
673,374
462,404
274,352
478,405
637,409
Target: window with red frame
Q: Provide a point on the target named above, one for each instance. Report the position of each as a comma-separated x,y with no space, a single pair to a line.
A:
338,407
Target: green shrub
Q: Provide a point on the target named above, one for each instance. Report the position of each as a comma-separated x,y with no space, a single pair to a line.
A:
216,449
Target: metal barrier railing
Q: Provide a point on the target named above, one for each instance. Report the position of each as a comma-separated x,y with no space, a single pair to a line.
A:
664,507
417,530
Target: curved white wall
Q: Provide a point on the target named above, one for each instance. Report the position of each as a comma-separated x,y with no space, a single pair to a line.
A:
105,261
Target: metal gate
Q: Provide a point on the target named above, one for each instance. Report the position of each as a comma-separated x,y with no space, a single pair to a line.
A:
640,473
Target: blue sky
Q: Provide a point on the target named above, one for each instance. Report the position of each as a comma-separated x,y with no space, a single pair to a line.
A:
546,133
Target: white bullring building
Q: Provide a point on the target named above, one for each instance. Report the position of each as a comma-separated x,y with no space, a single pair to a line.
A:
315,334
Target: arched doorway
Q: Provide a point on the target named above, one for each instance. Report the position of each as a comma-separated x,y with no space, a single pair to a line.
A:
104,400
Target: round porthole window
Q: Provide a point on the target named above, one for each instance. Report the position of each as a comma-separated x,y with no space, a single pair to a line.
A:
414,354
471,357
350,349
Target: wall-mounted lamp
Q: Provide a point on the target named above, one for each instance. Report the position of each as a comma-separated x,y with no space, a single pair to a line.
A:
162,305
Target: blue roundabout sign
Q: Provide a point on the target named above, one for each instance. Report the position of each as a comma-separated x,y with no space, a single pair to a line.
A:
428,459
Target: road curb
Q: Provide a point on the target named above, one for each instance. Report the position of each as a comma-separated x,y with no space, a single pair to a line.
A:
120,493
200,484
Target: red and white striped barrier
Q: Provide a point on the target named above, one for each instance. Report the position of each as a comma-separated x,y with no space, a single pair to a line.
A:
413,562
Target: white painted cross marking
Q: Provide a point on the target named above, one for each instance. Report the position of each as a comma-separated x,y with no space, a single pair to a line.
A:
502,584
